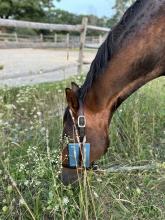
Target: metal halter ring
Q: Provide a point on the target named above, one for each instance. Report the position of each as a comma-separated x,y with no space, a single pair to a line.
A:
81,121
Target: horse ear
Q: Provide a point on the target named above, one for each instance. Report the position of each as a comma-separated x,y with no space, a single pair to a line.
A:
72,100
75,87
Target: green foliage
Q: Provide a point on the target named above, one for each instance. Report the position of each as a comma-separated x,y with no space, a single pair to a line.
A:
45,11
30,128
64,17
25,10
120,7
59,16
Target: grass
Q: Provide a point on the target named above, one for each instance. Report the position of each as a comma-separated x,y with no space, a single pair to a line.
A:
31,125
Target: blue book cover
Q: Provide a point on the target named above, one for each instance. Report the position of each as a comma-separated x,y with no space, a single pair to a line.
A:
86,155
74,154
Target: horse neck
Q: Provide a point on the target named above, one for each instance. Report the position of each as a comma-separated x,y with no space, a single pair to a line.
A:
138,62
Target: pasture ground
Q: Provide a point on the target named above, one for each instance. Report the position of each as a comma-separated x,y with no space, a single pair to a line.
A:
30,128
31,66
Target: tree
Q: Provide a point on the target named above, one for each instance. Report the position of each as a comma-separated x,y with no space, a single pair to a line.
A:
26,9
120,7
59,16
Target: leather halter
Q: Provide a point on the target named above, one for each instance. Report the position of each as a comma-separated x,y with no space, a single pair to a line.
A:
79,129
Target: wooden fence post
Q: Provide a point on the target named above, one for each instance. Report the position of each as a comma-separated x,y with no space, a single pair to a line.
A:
16,37
41,37
67,44
100,39
82,44
55,38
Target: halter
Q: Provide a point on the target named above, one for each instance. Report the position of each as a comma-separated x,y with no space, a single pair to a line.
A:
81,124
79,152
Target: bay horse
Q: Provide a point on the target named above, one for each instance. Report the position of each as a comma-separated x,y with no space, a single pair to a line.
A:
132,55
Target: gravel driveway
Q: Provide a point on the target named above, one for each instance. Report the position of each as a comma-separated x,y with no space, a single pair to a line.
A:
32,66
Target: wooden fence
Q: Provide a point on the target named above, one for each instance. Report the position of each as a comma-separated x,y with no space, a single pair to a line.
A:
15,40
82,41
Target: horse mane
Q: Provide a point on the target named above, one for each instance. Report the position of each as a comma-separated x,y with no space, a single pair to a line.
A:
113,41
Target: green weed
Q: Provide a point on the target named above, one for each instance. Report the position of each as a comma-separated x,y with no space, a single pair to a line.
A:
30,131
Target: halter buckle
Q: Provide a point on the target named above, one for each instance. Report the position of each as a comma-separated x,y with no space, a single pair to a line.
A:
81,121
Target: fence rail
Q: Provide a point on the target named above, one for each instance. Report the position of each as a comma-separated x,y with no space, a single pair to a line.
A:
40,26
95,28
52,41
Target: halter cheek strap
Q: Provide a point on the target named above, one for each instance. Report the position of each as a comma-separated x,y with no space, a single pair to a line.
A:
82,148
81,124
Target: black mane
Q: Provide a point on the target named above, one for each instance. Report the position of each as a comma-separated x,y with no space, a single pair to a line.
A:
116,36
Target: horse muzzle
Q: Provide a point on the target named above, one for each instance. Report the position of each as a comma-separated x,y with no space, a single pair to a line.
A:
70,176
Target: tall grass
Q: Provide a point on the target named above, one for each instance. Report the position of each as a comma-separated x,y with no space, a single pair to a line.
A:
31,125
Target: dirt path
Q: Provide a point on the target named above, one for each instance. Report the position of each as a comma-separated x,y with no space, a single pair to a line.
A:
32,66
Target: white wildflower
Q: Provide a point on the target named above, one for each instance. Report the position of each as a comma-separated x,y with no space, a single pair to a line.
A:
95,194
10,106
65,200
99,180
56,208
43,129
39,113
22,202
138,190
38,183
26,183
21,167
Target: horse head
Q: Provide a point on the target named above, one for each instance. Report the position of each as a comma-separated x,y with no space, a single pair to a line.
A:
80,125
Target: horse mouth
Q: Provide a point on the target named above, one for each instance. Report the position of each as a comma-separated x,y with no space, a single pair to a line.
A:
74,176
70,176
